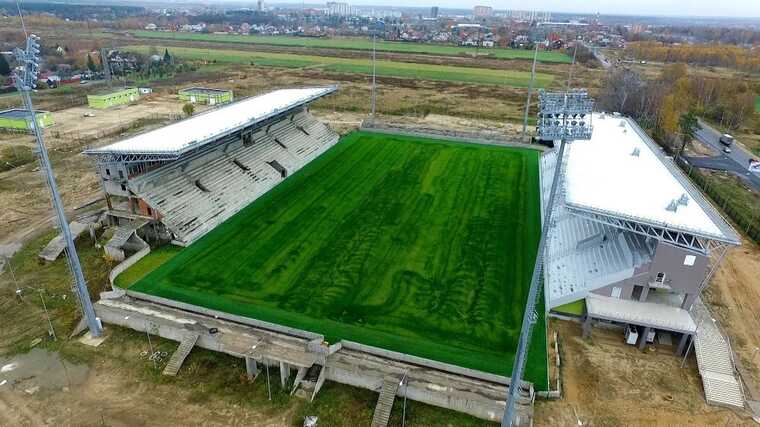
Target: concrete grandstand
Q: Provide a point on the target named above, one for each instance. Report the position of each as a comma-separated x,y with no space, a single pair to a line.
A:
634,243
188,177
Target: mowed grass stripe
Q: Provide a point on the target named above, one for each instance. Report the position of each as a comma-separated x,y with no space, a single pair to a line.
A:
358,43
359,66
415,245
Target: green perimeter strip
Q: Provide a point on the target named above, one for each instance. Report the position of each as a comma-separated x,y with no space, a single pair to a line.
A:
441,349
575,308
757,104
360,66
358,43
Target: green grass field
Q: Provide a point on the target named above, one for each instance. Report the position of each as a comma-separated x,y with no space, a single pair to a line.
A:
358,43
359,66
415,245
757,104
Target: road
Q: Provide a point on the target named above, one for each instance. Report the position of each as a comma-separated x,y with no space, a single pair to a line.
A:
737,161
598,55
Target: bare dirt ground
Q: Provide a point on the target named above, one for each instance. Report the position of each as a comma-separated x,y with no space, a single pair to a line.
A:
109,395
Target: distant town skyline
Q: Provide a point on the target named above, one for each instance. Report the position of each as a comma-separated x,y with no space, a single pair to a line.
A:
696,8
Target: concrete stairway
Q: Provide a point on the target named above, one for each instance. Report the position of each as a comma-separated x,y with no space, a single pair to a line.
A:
715,361
385,402
187,344
56,246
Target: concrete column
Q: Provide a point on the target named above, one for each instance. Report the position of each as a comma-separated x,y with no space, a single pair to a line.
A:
587,325
284,373
682,344
643,338
251,368
644,293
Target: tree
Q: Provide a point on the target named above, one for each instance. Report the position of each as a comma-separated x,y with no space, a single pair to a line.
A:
688,124
167,57
5,69
188,109
91,64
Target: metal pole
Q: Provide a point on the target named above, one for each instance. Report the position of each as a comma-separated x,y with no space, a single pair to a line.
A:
530,316
374,73
688,349
269,389
50,324
81,287
530,92
406,388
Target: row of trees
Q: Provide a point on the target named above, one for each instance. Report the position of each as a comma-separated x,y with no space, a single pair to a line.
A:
669,103
717,55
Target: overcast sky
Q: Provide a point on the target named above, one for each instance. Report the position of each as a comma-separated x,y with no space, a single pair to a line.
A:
736,8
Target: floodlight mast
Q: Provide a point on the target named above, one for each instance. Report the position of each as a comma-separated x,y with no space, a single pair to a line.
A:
564,116
26,81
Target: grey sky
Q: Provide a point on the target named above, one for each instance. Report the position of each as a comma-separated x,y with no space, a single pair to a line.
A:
713,8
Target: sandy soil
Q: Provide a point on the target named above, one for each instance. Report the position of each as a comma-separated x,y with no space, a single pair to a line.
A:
108,396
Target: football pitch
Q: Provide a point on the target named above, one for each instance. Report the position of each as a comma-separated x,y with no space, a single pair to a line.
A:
415,245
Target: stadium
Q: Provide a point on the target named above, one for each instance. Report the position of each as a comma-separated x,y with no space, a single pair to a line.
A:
400,262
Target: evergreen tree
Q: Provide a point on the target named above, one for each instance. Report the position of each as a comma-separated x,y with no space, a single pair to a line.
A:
5,69
167,57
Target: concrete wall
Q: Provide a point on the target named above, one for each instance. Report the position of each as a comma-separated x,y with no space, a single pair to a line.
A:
129,262
682,278
671,260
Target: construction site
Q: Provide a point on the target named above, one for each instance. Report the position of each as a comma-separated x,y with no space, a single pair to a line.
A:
296,250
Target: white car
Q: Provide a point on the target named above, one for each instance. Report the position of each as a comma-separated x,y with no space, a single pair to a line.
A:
727,150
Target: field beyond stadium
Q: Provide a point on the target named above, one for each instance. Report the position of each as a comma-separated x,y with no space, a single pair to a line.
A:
415,245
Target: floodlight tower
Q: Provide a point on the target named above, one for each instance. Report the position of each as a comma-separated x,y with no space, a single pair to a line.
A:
26,80
563,116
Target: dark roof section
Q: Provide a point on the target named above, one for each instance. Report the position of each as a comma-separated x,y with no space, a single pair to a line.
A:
17,113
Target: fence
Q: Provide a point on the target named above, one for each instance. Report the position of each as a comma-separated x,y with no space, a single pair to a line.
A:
747,223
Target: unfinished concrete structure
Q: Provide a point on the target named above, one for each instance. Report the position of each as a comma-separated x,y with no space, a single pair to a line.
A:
633,243
185,178
309,361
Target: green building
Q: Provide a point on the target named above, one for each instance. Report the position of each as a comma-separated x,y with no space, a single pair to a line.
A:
18,120
205,95
113,97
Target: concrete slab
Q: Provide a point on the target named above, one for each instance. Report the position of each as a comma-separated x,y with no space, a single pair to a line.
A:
88,339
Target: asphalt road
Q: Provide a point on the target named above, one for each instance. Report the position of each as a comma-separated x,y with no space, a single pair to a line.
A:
737,161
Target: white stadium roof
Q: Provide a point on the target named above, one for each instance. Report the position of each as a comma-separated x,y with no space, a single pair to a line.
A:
195,131
621,173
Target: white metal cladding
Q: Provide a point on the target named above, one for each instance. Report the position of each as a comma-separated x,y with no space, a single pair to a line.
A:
621,173
193,132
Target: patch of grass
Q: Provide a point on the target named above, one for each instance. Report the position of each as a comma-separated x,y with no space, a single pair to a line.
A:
13,156
360,66
359,43
23,318
147,264
410,244
757,104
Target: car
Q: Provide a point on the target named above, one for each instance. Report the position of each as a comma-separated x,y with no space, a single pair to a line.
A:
726,139
727,150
